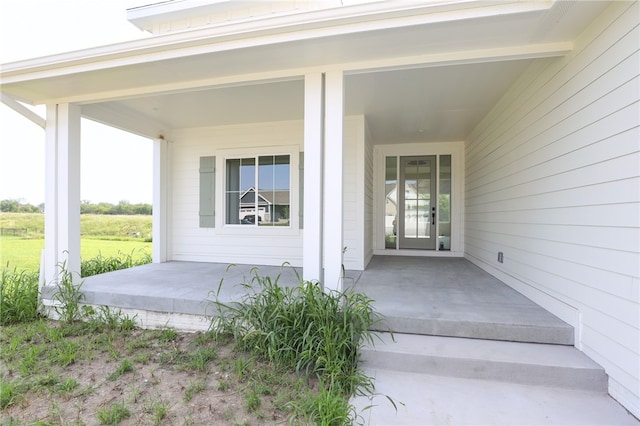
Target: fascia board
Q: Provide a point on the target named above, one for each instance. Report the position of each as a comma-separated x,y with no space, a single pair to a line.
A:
440,59
324,23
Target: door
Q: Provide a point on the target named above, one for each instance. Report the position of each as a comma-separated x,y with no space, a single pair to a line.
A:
416,203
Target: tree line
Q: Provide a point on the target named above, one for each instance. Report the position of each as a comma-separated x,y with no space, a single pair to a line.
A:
86,207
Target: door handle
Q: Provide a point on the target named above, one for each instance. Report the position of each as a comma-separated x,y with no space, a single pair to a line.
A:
433,218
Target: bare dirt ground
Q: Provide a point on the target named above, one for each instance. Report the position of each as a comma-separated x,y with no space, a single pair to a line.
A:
138,377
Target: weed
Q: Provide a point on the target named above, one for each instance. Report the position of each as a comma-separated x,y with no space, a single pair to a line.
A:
124,367
242,368
135,393
303,327
142,358
105,318
327,408
113,414
8,393
193,388
168,335
223,385
18,296
67,386
65,352
68,296
252,400
159,410
199,360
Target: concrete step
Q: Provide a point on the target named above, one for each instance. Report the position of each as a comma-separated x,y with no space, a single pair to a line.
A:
534,328
423,400
514,362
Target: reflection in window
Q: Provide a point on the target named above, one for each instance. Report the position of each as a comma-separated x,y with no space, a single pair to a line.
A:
444,204
258,191
391,202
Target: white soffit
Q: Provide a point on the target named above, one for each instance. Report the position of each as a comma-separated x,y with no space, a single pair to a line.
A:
208,57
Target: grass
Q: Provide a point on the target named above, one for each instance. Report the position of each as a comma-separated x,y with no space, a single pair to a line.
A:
107,235
24,254
110,227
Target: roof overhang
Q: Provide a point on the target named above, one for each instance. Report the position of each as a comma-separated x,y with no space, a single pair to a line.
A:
359,39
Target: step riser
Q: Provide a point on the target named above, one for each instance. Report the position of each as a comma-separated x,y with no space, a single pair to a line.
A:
528,374
477,330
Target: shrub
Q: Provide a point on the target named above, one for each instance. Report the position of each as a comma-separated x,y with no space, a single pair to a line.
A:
18,296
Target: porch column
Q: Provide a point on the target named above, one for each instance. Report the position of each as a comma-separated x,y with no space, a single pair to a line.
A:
333,171
312,241
160,201
62,191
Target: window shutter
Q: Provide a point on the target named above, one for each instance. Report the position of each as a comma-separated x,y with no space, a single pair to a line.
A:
301,191
207,191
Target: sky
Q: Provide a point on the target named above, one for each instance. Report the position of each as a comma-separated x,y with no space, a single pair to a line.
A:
116,165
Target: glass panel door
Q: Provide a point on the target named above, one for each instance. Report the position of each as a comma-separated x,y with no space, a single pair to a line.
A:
417,209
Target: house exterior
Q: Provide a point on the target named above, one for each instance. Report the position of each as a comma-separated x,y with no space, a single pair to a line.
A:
504,132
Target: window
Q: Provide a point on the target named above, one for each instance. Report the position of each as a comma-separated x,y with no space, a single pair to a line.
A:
258,191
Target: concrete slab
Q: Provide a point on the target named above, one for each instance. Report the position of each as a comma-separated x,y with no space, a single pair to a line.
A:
435,400
453,297
178,287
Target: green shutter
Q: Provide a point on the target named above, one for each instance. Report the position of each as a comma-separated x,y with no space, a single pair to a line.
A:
301,190
207,191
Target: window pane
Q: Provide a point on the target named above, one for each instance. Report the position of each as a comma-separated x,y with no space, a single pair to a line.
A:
391,202
444,204
240,190
274,190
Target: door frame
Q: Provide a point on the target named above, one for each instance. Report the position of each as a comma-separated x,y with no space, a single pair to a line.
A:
456,150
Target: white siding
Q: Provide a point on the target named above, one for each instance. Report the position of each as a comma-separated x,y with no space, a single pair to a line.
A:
552,180
354,192
368,198
192,243
265,246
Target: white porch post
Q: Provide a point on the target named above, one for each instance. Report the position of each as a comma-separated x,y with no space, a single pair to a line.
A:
160,202
333,171
312,242
62,190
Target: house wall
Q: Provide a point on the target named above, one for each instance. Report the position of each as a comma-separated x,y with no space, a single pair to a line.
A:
552,180
368,197
354,192
244,245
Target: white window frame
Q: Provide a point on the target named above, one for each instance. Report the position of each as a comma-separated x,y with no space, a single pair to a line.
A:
293,151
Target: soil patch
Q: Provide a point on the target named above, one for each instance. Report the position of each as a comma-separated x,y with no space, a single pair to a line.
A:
72,374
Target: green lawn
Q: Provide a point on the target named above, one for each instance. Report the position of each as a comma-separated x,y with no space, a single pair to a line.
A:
24,254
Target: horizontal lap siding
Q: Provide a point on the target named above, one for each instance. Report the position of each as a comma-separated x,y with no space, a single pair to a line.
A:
552,180
189,242
353,216
368,198
192,243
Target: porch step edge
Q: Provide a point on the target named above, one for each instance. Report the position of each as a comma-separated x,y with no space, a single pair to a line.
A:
528,333
514,362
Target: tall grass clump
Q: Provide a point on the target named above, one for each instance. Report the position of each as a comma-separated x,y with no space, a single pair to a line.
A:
317,333
102,264
18,296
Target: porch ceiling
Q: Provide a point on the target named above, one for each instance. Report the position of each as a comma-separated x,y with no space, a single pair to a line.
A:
428,72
